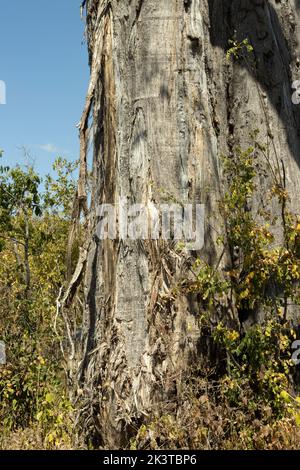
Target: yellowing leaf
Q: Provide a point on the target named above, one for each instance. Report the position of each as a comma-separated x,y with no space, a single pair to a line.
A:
49,398
244,294
285,395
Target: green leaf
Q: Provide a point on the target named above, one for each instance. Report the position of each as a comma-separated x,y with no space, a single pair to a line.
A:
49,398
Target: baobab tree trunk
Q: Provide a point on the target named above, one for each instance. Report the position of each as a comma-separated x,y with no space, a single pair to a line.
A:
166,104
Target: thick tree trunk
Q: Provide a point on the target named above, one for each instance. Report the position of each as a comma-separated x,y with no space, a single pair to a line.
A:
166,105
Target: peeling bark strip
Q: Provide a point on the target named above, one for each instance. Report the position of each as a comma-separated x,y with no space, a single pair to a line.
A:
80,199
103,7
166,103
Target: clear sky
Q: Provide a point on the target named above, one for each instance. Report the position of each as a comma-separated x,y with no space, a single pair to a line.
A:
44,63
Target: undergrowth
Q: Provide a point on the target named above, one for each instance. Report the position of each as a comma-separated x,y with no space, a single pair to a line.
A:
245,395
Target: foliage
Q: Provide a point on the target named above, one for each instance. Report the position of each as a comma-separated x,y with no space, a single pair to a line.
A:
244,395
206,420
34,227
60,191
238,47
262,281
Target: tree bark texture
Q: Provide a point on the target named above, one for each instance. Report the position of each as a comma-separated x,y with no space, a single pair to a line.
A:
166,104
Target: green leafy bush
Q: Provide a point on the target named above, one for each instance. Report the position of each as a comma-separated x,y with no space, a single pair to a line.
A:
34,228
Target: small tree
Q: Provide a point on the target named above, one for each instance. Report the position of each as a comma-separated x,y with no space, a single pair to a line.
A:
19,201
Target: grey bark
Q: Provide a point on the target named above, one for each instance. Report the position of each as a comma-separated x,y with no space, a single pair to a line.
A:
166,105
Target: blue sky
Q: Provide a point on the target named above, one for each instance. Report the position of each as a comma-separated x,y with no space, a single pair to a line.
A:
45,67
